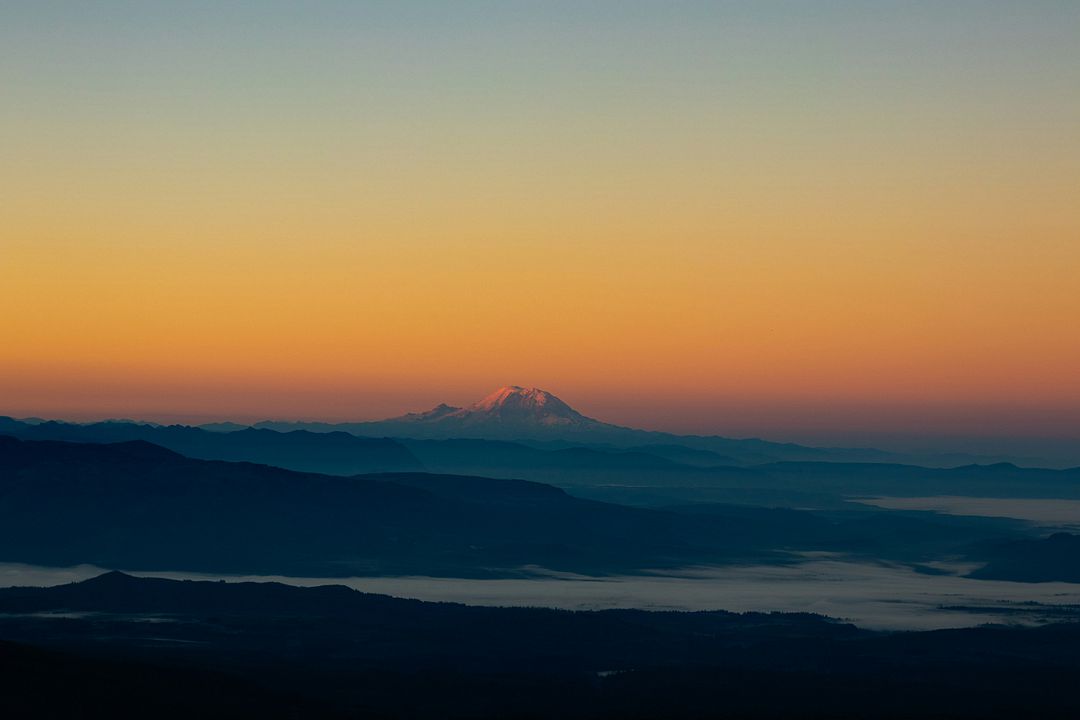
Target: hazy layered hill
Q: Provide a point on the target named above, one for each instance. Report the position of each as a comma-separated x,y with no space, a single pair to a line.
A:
69,503
1052,559
225,650
341,453
646,475
338,453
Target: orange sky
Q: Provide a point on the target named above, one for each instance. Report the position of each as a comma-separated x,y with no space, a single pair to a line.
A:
680,220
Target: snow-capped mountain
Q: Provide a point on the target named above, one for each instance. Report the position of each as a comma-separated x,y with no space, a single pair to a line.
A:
511,405
520,414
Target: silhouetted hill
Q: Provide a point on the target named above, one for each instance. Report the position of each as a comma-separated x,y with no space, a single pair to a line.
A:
138,506
650,475
378,630
569,467
640,477
1056,558
337,453
686,456
117,592
112,645
46,683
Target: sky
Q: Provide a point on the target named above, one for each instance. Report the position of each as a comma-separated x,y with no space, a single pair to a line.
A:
787,219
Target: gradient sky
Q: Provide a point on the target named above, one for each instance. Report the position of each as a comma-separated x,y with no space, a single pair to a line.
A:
752,217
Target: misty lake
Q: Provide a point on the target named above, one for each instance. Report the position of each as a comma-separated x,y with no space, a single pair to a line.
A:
871,595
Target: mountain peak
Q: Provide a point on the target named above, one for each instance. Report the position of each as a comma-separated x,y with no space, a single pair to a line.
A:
514,403
511,406
436,413
515,395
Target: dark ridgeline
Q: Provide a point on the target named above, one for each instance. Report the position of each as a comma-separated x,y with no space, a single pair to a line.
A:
123,646
65,503
644,475
135,505
336,453
1056,558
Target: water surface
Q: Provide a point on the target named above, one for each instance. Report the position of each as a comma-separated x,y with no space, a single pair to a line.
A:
872,595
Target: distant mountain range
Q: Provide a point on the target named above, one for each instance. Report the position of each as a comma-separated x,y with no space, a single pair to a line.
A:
537,416
648,474
338,453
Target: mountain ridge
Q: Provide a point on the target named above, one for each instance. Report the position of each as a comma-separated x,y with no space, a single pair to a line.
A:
530,414
512,413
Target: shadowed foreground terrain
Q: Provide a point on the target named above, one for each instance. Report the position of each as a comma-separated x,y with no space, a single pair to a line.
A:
119,646
68,503
123,646
1056,558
